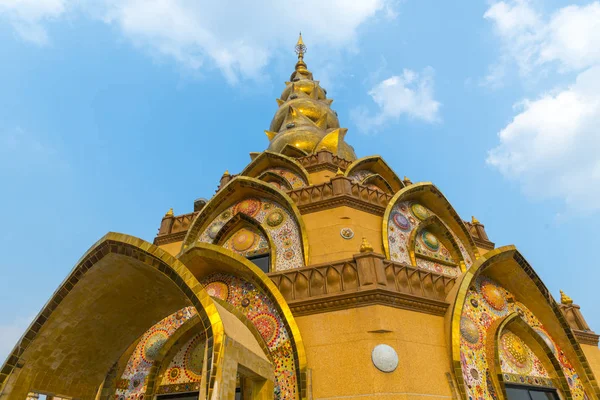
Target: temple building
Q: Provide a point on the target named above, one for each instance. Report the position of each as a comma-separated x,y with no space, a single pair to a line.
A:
310,274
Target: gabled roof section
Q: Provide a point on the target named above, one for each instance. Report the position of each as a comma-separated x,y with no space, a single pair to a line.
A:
377,165
268,159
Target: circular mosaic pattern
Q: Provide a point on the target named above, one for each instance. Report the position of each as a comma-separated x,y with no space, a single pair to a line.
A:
268,327
384,358
194,358
516,352
243,240
430,240
493,295
174,373
245,303
288,254
250,206
474,303
214,229
226,215
153,344
347,233
546,339
217,289
419,211
469,330
401,221
275,218
179,315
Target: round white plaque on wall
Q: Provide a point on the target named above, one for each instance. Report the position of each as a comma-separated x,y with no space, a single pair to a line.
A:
384,357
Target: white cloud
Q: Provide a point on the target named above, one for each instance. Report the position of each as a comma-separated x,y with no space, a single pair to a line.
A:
27,17
238,37
569,37
552,147
409,94
10,333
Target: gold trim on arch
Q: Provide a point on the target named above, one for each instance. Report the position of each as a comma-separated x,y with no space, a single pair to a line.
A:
435,221
548,359
238,220
155,258
455,312
382,163
292,164
203,219
248,270
419,187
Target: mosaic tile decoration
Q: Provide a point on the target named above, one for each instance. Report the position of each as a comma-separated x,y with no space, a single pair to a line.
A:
359,176
247,241
262,312
486,302
186,366
132,384
295,180
280,224
403,220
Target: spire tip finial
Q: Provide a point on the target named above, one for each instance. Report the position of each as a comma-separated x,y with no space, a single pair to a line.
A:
564,299
300,47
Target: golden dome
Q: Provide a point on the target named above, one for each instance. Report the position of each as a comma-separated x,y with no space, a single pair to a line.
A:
305,119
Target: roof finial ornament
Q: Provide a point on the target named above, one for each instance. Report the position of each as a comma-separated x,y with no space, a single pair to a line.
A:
475,221
564,299
300,48
169,213
365,246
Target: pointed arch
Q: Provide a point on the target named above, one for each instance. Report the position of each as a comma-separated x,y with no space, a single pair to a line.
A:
272,177
435,225
375,165
509,268
379,182
428,195
267,160
205,260
238,189
513,322
238,222
79,320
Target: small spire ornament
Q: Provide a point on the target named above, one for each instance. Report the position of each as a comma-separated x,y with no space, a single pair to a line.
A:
564,299
339,172
475,221
169,213
365,246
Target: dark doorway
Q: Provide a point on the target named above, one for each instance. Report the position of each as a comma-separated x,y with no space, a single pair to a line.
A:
262,261
517,392
178,396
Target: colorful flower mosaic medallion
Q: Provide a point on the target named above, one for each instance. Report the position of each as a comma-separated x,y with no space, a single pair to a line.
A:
249,206
347,233
268,327
401,221
153,344
486,303
430,240
419,211
185,367
217,289
275,218
243,239
194,359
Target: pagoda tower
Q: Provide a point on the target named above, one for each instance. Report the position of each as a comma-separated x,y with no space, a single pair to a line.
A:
310,274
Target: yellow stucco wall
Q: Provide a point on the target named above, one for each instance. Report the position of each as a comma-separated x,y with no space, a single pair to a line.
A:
326,243
592,353
319,177
172,248
339,344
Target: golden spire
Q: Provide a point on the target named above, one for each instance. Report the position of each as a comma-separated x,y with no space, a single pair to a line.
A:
300,48
365,246
564,299
169,213
339,172
474,220
226,173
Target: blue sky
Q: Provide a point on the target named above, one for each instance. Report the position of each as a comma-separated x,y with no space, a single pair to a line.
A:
111,112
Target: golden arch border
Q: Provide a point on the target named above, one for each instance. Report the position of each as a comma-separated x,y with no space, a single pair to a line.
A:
378,160
266,155
153,257
455,313
434,220
420,187
493,353
245,267
227,196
